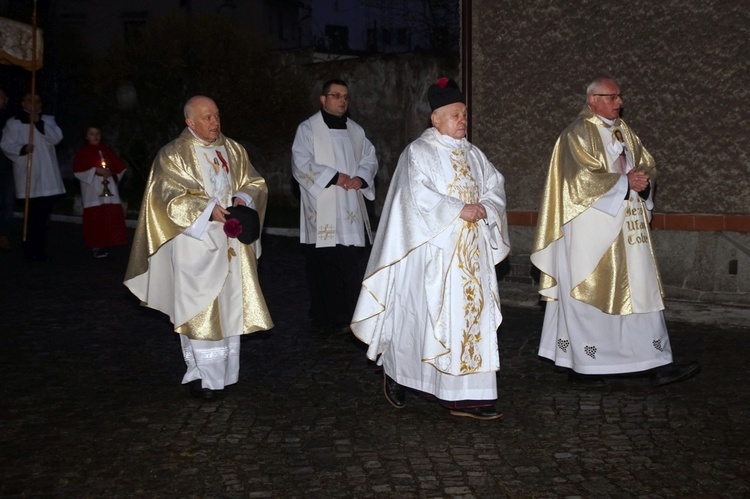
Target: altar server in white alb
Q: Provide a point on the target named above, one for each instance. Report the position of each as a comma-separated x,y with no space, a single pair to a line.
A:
604,310
188,260
45,182
335,165
429,307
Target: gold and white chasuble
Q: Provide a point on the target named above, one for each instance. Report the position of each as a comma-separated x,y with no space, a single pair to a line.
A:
429,304
184,265
593,247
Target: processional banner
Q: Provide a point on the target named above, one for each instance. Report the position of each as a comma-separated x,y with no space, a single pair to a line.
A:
16,44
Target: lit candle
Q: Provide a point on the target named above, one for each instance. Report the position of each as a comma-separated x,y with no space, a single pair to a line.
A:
105,182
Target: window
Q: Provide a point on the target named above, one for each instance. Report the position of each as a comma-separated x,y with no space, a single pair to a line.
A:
338,37
132,22
387,38
372,39
402,36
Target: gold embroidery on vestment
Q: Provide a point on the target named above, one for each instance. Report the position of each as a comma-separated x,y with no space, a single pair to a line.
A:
464,187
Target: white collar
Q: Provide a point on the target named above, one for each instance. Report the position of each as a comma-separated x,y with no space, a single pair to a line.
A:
449,141
204,141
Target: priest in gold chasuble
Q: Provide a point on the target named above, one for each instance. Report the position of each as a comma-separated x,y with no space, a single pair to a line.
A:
187,262
429,307
599,276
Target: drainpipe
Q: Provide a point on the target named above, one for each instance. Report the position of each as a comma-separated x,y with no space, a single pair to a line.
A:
466,61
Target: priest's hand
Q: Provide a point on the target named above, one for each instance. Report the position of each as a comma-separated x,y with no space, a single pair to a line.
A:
343,180
354,183
637,180
473,212
238,202
219,214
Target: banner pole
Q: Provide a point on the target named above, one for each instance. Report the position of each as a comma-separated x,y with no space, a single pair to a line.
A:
32,125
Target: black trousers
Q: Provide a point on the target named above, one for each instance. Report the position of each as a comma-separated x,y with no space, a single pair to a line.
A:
37,226
334,278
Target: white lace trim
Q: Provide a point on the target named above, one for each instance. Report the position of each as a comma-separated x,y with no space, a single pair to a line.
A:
210,355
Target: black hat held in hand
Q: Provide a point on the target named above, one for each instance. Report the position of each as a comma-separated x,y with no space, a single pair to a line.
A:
243,223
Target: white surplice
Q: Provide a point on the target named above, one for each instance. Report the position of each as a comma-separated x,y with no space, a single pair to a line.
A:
46,179
331,216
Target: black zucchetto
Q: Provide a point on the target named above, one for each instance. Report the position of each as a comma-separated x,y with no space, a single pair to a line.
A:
444,92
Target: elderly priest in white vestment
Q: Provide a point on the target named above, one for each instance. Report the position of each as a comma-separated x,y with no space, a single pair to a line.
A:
188,260
604,306
429,307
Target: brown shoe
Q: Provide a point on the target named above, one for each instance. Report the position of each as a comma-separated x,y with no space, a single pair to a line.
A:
4,243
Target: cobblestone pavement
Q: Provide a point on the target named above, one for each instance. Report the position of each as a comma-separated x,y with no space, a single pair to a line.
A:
92,406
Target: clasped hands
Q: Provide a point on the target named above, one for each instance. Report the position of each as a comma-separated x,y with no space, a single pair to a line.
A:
346,182
219,213
473,212
637,180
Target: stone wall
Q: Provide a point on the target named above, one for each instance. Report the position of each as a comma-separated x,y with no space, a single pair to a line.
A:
683,70
705,266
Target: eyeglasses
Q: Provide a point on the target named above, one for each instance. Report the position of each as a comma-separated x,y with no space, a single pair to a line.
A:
339,96
611,96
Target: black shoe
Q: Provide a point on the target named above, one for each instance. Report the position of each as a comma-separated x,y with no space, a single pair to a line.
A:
589,380
196,390
483,413
672,373
395,394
